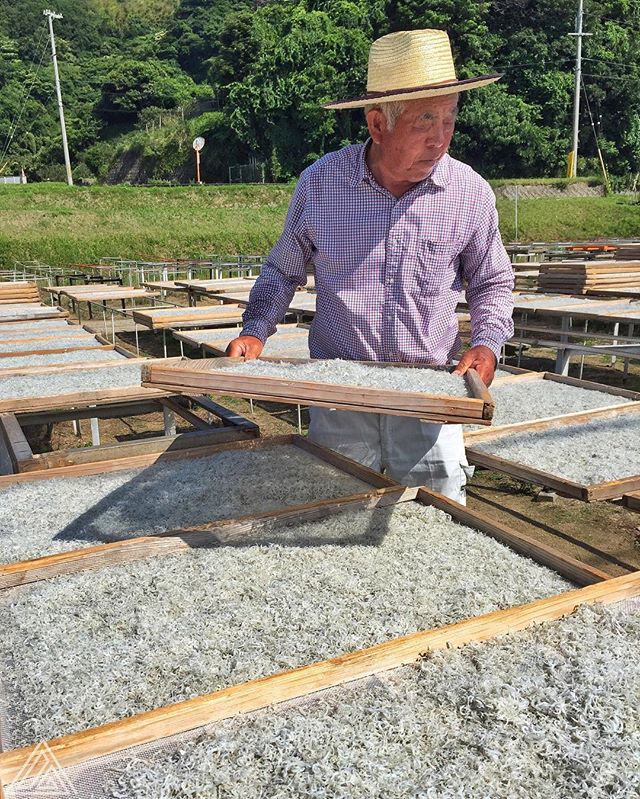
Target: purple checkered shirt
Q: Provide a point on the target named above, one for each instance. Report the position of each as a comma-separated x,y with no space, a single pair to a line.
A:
389,272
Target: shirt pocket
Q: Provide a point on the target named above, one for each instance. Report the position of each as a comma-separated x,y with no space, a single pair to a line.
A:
436,269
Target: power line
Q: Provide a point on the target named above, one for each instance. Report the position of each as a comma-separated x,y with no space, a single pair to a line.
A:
595,136
615,78
614,63
541,63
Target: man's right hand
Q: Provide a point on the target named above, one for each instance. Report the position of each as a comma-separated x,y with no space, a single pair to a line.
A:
248,347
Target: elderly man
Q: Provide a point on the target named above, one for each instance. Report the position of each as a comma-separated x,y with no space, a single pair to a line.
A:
395,229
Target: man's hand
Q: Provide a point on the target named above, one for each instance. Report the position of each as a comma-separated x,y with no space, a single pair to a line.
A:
248,347
481,359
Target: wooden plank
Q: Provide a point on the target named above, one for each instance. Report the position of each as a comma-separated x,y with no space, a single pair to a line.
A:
572,569
612,489
264,692
6,463
54,351
224,532
227,416
186,414
344,464
132,449
52,335
19,450
497,464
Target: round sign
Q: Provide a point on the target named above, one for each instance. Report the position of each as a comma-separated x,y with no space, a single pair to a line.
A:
198,143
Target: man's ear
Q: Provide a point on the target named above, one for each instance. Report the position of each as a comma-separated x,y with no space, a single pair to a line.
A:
377,124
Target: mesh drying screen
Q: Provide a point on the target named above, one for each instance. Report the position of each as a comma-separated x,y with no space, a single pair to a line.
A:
100,646
549,711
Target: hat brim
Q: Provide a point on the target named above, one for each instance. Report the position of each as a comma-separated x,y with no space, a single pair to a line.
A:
414,93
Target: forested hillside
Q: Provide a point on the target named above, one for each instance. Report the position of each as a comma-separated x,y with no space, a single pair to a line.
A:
140,78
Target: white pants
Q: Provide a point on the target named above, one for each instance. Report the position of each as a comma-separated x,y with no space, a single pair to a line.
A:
408,450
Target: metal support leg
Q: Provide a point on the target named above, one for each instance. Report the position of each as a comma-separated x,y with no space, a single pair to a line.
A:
299,420
164,341
181,348
563,359
77,430
251,405
95,431
135,327
616,331
169,422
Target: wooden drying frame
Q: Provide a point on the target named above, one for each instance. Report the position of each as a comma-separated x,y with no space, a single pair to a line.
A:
611,489
234,428
526,377
203,314
211,376
264,692
50,313
80,399
382,490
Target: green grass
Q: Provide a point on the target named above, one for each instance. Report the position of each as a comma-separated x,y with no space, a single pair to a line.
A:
59,225
571,218
594,180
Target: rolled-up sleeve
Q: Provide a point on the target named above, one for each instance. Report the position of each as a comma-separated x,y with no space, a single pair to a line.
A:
489,276
284,270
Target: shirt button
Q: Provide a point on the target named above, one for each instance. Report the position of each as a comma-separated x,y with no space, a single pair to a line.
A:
389,281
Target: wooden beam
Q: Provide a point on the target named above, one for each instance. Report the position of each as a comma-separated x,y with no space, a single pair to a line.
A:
572,569
20,452
55,351
344,464
227,416
117,410
132,449
496,464
256,694
186,414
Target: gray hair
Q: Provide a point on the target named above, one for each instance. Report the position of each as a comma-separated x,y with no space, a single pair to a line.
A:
391,111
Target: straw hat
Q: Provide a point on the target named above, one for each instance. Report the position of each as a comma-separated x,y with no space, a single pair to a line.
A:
409,65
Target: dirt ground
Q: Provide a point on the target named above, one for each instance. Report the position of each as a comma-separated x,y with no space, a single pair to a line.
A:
603,534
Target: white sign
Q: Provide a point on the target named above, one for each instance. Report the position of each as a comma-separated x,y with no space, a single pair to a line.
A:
198,143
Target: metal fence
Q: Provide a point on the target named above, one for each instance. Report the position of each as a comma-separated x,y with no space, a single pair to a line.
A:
247,173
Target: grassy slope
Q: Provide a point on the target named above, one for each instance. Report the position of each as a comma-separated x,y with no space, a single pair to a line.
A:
58,225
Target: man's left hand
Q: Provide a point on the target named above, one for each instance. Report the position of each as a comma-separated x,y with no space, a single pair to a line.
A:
481,359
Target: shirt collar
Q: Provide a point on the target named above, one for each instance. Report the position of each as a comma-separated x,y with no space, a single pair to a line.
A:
440,175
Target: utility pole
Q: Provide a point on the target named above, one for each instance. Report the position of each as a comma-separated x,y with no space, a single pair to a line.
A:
67,162
573,170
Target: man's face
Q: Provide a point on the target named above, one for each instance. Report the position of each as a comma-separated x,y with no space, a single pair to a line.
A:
420,137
